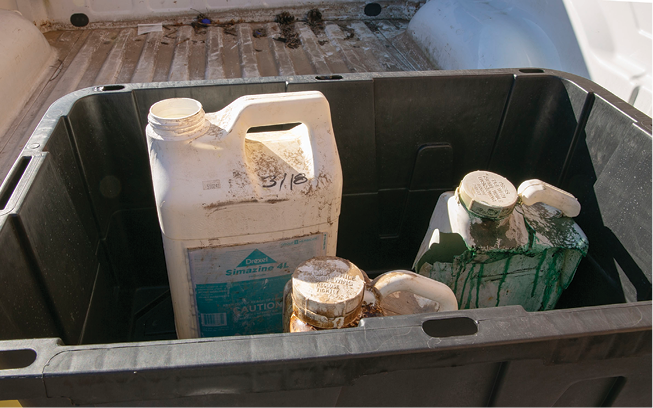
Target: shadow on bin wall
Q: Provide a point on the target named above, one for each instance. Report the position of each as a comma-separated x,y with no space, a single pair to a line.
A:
91,261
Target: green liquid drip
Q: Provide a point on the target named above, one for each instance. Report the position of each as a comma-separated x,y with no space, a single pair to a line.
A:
503,279
537,272
461,268
479,278
471,288
552,278
462,293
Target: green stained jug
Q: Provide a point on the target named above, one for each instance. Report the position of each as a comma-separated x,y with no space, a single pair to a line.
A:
495,245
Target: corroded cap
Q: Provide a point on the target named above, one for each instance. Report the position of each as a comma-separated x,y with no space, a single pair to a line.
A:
487,194
327,292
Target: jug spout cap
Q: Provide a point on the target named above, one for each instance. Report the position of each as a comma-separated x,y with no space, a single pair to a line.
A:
487,194
178,118
328,292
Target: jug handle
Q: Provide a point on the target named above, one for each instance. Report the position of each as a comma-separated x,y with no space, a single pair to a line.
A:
309,107
537,191
394,281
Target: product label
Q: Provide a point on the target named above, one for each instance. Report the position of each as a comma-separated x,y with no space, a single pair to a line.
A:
239,289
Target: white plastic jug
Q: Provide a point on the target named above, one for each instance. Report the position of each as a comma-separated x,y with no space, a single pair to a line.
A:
495,245
240,211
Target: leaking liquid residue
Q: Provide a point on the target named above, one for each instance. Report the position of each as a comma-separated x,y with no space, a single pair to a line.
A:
332,293
526,258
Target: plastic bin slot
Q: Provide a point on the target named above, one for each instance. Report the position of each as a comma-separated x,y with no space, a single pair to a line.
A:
12,181
106,88
455,326
12,359
328,77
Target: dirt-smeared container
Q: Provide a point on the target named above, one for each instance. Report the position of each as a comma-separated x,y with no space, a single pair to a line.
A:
333,293
495,245
241,203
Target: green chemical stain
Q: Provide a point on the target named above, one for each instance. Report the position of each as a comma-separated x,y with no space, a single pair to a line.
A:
479,279
471,288
546,263
503,279
560,274
461,268
551,278
462,293
537,272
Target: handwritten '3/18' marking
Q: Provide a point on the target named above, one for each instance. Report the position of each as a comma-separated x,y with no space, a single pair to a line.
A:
272,181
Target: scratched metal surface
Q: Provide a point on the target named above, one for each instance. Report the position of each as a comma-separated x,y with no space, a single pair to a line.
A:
104,56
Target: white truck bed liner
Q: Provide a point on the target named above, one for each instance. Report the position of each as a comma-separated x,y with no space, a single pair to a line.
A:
103,56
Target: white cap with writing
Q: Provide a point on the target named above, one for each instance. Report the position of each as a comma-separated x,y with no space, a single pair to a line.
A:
327,292
487,194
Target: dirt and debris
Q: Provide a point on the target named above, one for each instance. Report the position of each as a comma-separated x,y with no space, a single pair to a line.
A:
314,20
314,17
230,27
322,42
199,28
288,33
202,21
45,26
230,30
284,18
213,207
372,26
349,32
202,18
260,32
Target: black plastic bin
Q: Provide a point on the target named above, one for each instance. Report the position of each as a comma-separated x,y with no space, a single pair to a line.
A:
81,257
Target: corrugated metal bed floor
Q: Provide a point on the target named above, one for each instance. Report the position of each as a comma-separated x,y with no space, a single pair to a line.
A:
182,52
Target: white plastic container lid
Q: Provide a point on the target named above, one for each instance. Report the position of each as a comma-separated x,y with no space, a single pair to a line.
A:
487,194
328,292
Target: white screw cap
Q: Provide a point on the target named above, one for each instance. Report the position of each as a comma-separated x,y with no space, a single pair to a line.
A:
327,292
487,194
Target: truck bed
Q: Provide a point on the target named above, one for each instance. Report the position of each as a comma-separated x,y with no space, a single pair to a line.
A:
184,51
